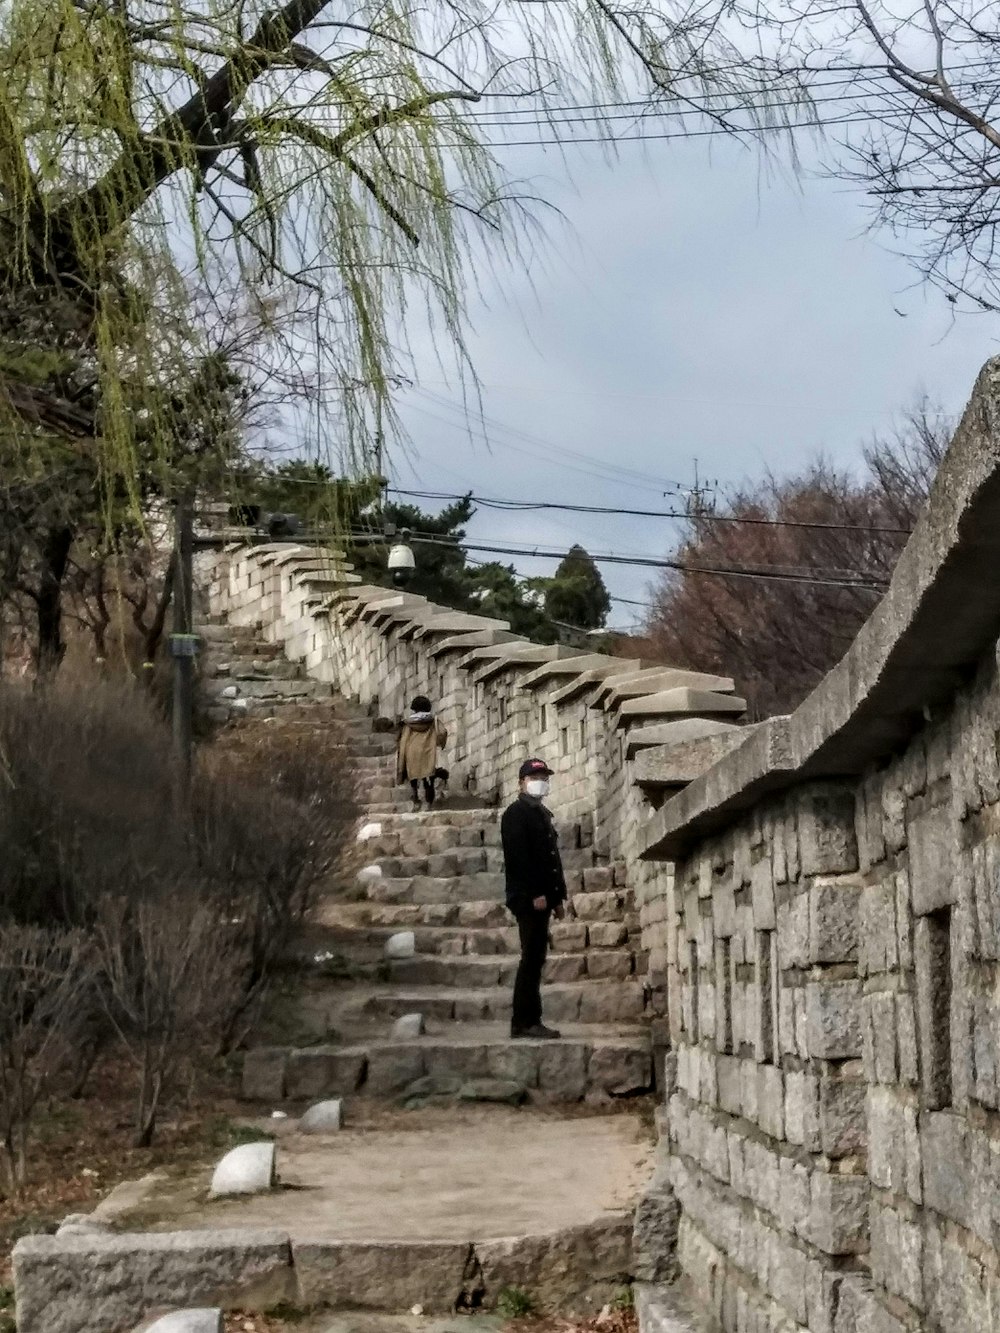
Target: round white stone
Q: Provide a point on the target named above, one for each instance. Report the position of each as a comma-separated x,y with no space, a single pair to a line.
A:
323,1118
186,1321
230,692
409,1025
369,831
248,1169
401,945
367,873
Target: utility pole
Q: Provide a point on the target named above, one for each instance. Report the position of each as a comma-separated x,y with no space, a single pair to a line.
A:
698,499
183,641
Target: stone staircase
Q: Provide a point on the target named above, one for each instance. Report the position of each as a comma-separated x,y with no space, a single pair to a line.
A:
439,875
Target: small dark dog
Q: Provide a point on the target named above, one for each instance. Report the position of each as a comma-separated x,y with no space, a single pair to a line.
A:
441,781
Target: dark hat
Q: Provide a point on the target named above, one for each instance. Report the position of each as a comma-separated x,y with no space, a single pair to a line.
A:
534,768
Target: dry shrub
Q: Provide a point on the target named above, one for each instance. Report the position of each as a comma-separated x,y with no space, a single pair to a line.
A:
187,909
169,973
272,811
46,986
86,775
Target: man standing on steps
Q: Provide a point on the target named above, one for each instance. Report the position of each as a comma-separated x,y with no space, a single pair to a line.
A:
536,890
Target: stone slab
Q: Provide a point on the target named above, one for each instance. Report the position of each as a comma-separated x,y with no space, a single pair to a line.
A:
107,1284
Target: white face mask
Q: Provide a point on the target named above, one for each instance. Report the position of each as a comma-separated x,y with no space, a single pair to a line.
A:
537,787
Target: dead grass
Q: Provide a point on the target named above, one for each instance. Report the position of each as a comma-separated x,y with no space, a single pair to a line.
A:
81,1149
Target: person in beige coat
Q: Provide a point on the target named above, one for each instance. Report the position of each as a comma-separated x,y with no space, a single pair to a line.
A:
416,756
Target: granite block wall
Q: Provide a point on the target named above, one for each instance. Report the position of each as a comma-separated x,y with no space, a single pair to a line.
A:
833,1137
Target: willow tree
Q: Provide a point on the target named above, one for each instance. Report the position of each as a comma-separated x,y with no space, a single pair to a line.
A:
324,147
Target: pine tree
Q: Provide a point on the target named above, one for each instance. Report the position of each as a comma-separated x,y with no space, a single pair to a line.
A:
576,595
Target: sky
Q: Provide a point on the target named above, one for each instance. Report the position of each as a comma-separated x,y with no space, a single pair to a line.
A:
682,306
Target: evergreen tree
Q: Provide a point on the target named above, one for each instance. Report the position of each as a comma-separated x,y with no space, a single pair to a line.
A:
576,595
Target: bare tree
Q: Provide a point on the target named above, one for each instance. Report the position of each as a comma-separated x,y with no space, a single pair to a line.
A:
820,546
46,991
911,92
169,971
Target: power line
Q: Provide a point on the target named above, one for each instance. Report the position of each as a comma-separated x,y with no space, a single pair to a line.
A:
648,562
528,506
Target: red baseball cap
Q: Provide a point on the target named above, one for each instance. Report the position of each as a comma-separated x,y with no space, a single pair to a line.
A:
534,768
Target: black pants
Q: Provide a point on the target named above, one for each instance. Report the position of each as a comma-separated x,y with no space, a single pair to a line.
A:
533,928
428,789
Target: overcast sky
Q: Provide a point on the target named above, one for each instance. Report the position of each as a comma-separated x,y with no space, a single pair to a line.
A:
686,307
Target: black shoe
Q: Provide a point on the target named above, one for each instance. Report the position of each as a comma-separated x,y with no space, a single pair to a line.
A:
537,1033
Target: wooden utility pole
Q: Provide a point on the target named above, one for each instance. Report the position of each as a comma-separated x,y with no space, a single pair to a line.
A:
182,640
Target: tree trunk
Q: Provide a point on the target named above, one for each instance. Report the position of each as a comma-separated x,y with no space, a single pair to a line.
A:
155,632
55,557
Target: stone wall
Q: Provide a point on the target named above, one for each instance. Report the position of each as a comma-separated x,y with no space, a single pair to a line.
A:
594,718
834,963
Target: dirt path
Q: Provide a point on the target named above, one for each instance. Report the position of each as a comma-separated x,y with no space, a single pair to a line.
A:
474,1172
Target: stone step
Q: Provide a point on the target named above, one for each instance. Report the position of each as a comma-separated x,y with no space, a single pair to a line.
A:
437,865
564,1071
422,840
476,971
434,889
442,818
585,1002
453,940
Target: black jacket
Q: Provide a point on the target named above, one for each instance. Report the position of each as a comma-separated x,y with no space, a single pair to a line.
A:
531,855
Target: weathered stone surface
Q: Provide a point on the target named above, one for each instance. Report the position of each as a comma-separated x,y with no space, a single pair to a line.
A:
78,1284
574,1270
654,1232
503,1090
562,1070
369,1275
264,1074
392,1068
933,847
833,1019
324,1071
323,1118
250,1168
619,1069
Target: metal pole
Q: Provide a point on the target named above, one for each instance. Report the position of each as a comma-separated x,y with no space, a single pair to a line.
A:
182,641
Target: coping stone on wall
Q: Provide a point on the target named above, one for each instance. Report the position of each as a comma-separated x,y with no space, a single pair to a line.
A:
910,655
680,762
565,666
587,680
464,643
666,703
681,730
527,656
449,622
619,688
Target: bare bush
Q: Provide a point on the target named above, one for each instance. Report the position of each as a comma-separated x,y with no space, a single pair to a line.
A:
169,975
271,815
86,770
46,986
188,909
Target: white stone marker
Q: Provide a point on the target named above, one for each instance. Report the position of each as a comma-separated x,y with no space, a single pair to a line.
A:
323,1118
409,1025
248,1169
401,945
369,831
367,873
186,1321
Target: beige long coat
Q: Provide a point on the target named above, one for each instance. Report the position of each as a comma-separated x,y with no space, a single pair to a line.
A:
419,743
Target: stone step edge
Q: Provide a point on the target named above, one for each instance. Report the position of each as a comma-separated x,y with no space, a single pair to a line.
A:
561,1071
120,1277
